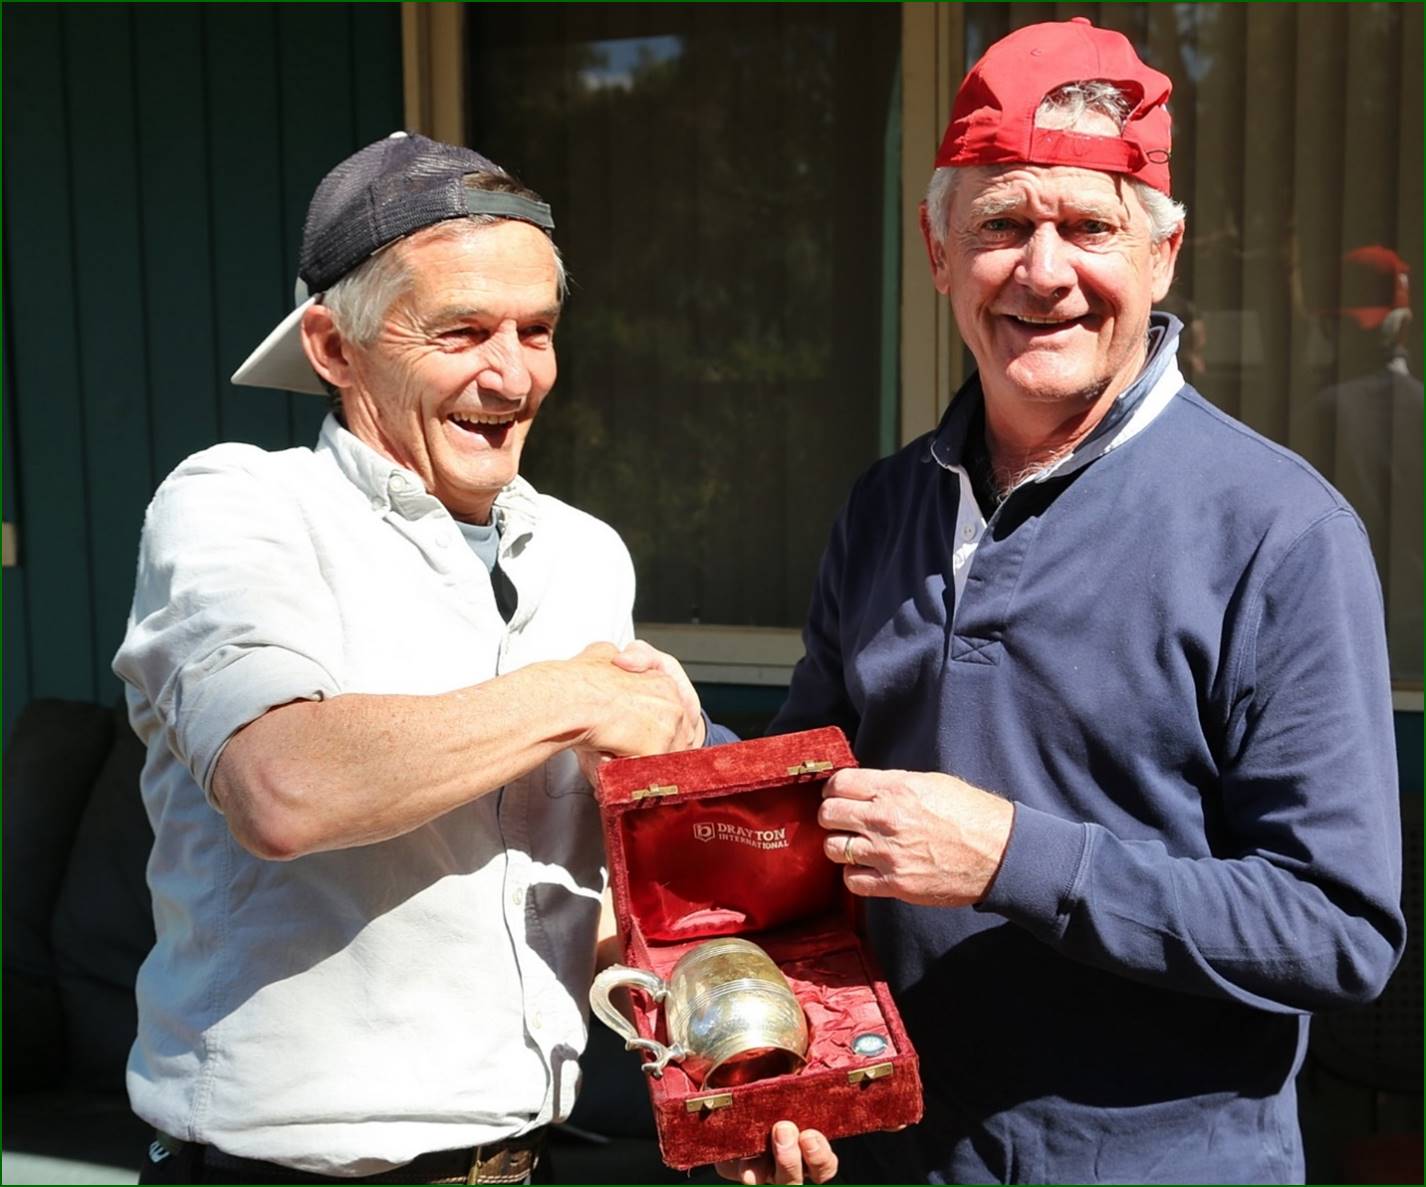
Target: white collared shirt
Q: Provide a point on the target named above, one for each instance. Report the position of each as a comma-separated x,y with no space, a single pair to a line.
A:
347,1011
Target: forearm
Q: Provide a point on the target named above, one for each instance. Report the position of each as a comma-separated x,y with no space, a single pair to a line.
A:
1245,928
355,769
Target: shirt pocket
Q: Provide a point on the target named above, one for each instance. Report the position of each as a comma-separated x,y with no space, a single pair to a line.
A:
561,777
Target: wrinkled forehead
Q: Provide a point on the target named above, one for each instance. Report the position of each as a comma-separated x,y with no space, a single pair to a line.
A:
989,190
500,270
508,237
506,254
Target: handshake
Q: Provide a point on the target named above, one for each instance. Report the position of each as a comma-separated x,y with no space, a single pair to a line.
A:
640,700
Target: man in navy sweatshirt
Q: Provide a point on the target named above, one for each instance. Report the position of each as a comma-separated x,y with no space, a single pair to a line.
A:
1116,671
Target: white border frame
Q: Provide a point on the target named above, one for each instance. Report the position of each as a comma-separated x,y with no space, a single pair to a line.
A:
433,70
713,654
932,56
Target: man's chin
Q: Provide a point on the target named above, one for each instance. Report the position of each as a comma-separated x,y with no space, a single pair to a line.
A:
1052,385
473,493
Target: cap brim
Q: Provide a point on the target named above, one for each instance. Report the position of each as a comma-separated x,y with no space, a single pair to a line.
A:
280,361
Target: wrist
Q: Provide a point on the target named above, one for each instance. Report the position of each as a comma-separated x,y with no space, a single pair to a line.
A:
996,841
570,706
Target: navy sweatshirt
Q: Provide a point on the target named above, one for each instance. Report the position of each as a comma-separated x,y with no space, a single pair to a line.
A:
1170,654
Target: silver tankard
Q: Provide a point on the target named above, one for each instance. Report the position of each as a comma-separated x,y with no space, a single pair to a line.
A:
732,1017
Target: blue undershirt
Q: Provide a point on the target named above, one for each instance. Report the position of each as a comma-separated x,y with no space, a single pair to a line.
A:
484,539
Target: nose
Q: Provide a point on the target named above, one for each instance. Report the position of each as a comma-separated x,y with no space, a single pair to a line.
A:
1045,267
503,369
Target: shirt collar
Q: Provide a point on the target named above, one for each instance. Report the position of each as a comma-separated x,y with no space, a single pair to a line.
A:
391,486
949,444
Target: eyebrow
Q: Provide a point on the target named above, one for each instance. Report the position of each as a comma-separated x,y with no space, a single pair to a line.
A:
990,207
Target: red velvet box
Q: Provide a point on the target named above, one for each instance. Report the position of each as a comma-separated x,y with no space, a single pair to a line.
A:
725,841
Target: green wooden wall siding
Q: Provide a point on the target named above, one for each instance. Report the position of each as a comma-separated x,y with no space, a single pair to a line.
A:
158,162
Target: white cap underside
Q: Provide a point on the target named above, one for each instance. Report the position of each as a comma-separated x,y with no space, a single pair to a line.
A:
279,361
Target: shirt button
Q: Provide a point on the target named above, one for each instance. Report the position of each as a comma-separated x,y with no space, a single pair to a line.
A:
517,896
537,1022
969,532
399,482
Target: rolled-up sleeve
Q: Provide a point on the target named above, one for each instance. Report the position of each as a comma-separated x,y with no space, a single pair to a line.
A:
231,614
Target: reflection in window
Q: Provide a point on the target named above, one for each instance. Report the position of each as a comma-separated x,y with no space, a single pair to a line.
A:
621,61
721,177
1297,149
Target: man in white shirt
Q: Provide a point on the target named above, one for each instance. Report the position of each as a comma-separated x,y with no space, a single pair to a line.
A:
367,675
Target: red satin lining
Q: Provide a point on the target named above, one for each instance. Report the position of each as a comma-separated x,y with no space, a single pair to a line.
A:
833,985
729,864
752,863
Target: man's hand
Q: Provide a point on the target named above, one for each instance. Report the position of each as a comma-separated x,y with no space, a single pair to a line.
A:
639,656
793,1158
647,704
923,838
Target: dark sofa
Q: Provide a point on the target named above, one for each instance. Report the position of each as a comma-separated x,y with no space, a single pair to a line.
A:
76,926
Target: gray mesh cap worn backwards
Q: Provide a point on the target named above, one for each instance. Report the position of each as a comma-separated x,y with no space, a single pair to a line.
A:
376,196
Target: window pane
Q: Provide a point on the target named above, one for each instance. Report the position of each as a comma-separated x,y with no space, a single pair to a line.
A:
721,177
1297,150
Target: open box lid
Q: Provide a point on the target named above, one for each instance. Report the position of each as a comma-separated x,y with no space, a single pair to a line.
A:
722,840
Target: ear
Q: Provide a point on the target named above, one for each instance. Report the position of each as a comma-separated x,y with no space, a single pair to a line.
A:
1164,260
325,347
936,253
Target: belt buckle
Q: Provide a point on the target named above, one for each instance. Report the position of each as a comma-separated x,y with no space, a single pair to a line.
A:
500,1165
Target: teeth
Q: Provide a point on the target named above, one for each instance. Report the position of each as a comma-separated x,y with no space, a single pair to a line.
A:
1040,321
481,418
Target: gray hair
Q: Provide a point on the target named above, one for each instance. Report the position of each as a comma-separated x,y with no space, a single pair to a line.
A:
360,300
1064,107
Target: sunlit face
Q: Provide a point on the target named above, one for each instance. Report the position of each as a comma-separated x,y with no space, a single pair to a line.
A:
1051,274
463,361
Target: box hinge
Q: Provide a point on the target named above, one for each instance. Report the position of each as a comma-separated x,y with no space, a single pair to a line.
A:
706,1104
643,793
810,767
875,1071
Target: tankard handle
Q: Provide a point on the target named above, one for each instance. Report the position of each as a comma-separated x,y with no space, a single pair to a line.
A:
619,974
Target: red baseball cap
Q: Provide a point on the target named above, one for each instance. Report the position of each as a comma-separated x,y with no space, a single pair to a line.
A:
993,119
1375,280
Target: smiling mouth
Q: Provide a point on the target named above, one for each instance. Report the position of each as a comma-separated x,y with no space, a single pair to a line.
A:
1044,323
490,427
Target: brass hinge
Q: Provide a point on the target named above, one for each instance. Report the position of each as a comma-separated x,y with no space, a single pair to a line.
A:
706,1104
876,1071
654,789
810,767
